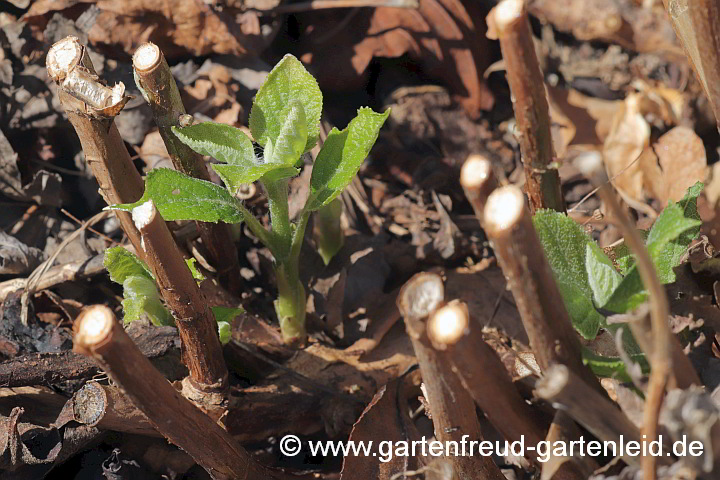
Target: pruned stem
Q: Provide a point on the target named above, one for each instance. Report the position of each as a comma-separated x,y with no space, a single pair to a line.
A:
196,324
520,254
697,25
532,117
108,408
663,374
482,373
91,108
154,79
99,335
478,181
593,411
451,407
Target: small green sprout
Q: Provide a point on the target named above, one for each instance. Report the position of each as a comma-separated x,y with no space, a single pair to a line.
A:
284,120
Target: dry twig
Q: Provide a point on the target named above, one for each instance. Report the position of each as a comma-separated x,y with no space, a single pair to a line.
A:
99,335
196,324
552,337
154,79
532,117
451,407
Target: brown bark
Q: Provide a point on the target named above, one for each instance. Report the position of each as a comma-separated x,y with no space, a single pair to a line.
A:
99,335
159,344
518,250
532,117
154,79
451,407
107,408
196,324
482,373
697,25
591,410
91,108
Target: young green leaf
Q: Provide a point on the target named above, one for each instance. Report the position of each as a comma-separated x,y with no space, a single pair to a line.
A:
623,256
224,317
122,264
566,246
140,295
602,276
672,233
223,142
342,156
290,143
197,274
288,82
669,238
180,197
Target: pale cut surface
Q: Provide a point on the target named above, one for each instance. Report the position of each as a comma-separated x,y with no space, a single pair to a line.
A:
146,56
94,324
475,171
504,208
63,55
143,214
448,324
507,11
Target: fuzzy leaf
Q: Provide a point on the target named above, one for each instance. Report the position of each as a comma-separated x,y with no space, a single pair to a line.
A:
672,233
290,142
231,146
222,142
140,295
179,197
566,246
667,241
288,82
122,264
342,156
224,317
602,276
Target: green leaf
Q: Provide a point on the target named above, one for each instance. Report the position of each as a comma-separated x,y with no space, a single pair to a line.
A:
224,317
342,156
287,83
141,296
612,367
290,142
669,238
566,246
672,233
230,145
602,276
223,142
122,264
623,257
180,197
197,274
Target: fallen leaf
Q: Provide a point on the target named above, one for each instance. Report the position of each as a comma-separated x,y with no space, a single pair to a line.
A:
440,35
675,163
628,137
178,27
16,258
381,419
